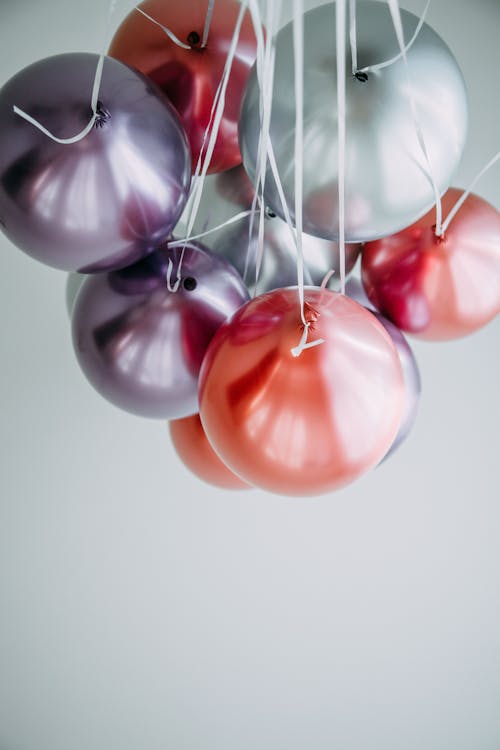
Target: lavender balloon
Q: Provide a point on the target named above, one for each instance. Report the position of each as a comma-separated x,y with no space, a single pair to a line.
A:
411,374
103,202
140,345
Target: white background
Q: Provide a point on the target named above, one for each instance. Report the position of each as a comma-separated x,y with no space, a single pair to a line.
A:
143,610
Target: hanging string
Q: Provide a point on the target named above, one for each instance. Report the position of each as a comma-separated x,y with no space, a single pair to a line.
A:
340,29
213,127
94,102
167,31
353,36
458,205
212,230
208,21
273,10
387,63
398,27
298,47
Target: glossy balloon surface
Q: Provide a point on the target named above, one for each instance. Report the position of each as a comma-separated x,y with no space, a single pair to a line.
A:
190,77
74,282
409,366
305,425
194,450
439,289
140,345
227,194
386,183
103,202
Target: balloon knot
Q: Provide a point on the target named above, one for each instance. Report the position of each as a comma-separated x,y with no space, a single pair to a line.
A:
102,115
361,76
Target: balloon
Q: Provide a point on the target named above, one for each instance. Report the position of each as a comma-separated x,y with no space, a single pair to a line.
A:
409,366
439,289
107,200
301,425
194,450
190,77
73,286
386,183
227,194
140,345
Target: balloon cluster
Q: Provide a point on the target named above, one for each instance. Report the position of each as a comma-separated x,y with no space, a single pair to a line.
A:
203,331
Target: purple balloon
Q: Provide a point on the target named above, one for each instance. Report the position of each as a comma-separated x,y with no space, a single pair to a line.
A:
108,200
140,345
411,374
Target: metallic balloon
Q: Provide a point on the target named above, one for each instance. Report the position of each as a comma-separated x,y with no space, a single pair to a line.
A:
190,77
439,288
194,450
409,366
140,345
103,202
301,425
229,193
386,183
73,285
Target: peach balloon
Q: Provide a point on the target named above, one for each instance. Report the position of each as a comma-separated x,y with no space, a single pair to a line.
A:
194,450
190,77
309,424
438,288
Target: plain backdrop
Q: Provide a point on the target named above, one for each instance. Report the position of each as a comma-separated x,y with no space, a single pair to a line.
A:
143,610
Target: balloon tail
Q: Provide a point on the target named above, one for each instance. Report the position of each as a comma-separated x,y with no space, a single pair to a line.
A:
398,27
458,205
94,102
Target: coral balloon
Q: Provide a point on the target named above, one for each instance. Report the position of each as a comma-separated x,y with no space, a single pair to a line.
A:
194,450
140,345
409,366
386,183
301,425
106,201
190,77
439,288
225,195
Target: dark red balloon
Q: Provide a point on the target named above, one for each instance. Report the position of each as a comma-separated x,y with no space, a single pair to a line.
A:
194,450
438,288
190,77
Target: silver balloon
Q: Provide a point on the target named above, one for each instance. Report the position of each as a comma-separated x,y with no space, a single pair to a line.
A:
411,374
74,283
229,193
386,183
140,345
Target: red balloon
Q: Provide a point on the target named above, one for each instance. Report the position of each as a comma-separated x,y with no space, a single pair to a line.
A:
194,450
438,288
301,425
190,77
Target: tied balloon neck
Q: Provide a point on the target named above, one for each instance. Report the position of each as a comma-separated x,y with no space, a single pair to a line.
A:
194,41
103,115
439,238
361,76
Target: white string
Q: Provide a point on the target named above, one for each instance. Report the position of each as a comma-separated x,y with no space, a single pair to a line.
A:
167,31
340,28
213,127
387,63
208,21
298,47
458,205
398,27
94,98
232,220
273,9
353,36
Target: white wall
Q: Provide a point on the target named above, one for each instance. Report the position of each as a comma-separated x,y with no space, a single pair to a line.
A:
141,609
